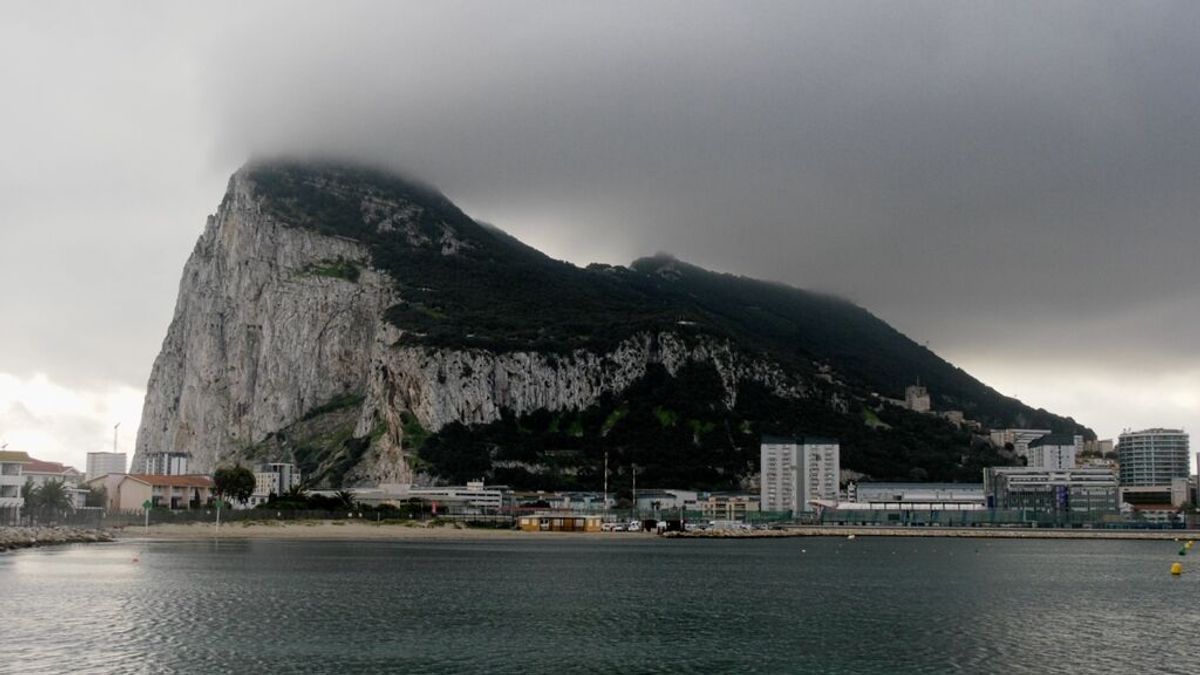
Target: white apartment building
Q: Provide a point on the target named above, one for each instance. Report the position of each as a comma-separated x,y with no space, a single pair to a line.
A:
1054,451
39,473
1153,457
12,464
275,478
102,463
796,471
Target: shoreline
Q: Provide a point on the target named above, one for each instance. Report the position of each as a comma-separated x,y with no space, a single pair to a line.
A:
17,538
333,530
942,532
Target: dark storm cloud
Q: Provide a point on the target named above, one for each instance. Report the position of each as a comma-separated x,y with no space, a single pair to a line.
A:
1013,182
964,170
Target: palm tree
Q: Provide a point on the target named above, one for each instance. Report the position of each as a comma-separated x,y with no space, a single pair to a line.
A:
346,498
29,497
53,499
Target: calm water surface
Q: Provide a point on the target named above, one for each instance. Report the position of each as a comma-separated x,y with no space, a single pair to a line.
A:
631,605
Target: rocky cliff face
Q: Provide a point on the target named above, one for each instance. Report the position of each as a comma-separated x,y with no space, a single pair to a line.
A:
277,326
267,326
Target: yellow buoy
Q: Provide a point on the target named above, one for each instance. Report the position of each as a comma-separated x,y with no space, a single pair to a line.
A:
1176,569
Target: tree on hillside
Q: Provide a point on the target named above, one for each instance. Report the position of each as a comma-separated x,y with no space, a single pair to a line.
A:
233,482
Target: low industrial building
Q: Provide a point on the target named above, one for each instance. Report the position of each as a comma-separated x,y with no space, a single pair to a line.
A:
1019,488
1172,495
560,522
472,498
914,496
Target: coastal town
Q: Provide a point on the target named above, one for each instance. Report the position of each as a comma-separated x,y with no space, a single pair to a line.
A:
1141,480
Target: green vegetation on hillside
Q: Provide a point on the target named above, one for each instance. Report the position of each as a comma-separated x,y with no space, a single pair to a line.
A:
494,292
468,285
337,268
714,449
321,444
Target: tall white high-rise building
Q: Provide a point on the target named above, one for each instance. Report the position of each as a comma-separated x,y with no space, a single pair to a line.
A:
796,471
104,463
1153,457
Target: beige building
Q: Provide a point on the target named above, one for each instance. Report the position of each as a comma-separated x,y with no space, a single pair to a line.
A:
728,507
109,482
129,492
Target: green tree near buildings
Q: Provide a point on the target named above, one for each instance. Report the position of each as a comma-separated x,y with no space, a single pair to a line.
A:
233,482
97,496
47,502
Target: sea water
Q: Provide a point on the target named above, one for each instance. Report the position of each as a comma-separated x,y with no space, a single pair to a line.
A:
619,603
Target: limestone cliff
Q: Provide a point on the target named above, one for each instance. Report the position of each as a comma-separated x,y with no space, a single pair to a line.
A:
339,317
273,322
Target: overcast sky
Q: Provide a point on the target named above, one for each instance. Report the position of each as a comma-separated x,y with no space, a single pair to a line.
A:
1015,184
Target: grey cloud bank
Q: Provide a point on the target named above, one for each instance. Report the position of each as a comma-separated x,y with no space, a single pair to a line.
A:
1013,182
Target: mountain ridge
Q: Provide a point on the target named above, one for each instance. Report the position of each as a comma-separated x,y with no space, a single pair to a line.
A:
389,286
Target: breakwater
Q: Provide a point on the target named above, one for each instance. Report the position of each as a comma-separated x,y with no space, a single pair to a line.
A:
27,537
959,532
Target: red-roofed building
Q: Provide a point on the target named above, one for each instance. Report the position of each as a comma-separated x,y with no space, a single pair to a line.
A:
128,492
40,472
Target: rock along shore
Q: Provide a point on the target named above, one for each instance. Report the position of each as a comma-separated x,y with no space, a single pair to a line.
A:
966,532
12,538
